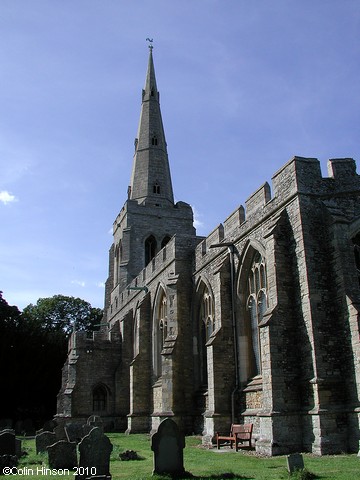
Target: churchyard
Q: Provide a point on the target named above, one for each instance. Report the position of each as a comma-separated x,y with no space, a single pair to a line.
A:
199,462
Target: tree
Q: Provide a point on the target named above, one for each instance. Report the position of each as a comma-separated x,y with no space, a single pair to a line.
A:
33,349
61,313
9,315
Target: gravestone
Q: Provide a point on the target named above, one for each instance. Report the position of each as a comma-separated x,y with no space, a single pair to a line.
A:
86,429
95,450
95,421
62,454
49,425
7,442
18,448
74,432
43,440
8,461
59,431
168,444
294,462
5,423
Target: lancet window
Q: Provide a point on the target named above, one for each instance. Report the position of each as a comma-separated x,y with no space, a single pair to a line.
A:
150,249
160,327
207,314
256,306
206,325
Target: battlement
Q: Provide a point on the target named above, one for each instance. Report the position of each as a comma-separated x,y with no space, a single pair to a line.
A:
177,248
342,168
298,176
85,340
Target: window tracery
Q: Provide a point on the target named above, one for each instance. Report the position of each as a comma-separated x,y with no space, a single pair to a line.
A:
256,305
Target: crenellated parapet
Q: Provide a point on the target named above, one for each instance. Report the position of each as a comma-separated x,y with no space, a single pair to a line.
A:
179,247
299,176
85,340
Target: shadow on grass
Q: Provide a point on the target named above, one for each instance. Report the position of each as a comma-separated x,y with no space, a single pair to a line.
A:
188,475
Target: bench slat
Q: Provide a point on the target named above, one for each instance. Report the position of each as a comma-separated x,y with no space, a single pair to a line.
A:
238,433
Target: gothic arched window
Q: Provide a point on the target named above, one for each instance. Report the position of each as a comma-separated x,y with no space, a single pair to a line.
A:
207,314
99,399
156,188
206,328
256,306
165,240
159,333
150,249
154,140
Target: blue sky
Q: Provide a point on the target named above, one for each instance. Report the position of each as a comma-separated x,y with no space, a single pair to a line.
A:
244,86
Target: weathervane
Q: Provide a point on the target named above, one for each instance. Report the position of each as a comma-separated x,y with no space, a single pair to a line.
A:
150,40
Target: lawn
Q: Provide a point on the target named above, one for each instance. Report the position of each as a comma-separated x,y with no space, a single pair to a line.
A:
201,463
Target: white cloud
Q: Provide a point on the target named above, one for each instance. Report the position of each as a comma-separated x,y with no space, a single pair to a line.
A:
197,215
6,197
78,282
100,284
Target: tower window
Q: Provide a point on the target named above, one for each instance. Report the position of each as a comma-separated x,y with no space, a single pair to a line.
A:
150,249
165,240
154,140
156,188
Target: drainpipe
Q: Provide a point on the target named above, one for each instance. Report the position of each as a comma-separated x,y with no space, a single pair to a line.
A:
231,250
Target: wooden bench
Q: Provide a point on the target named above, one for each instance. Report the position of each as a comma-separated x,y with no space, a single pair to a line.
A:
238,433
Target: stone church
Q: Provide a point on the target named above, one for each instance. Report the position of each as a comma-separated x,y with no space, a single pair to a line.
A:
256,323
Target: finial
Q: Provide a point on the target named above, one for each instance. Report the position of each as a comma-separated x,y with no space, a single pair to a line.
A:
150,40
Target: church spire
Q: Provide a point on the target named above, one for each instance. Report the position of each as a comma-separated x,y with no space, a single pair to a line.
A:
151,179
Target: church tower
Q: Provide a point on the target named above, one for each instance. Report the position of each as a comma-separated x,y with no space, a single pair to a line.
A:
149,217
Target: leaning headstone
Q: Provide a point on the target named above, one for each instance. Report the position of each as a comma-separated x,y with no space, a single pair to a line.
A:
294,462
95,450
7,442
62,454
74,432
168,444
43,440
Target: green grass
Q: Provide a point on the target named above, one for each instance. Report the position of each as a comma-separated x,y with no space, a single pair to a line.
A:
205,464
